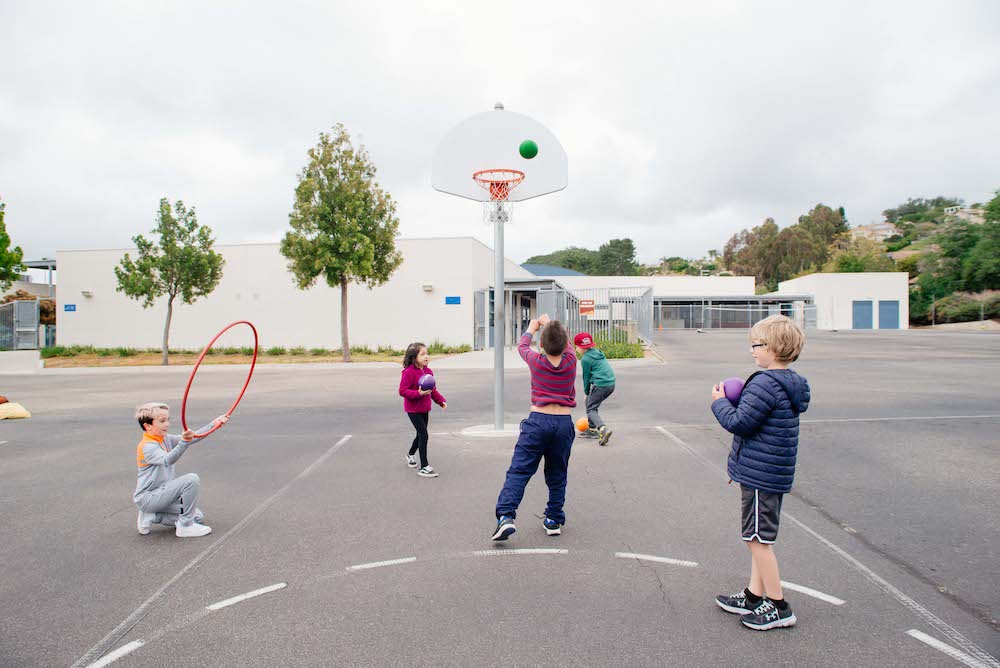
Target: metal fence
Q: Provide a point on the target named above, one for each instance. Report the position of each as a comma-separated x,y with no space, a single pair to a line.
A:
701,315
745,317
619,314
19,325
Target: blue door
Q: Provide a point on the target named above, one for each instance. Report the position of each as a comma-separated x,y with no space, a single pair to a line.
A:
862,315
888,315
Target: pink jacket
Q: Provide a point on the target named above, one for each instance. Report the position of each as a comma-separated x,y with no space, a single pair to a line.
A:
410,391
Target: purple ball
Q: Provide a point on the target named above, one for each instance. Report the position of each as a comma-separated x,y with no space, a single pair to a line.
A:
427,382
733,387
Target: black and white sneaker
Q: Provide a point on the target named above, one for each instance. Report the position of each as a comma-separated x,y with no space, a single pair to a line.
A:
552,528
766,617
427,472
736,604
505,528
411,461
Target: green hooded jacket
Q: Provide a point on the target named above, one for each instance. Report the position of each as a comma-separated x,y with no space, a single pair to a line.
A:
596,370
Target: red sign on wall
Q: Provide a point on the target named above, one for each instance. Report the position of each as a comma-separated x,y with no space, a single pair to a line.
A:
586,307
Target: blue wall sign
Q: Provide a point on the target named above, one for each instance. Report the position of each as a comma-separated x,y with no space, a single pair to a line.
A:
69,307
452,300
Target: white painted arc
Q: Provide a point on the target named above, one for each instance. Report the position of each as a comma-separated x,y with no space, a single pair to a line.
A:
659,560
946,648
953,634
379,564
812,592
109,640
117,654
243,597
517,551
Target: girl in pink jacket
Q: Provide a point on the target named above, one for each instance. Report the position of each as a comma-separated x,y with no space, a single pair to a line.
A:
417,404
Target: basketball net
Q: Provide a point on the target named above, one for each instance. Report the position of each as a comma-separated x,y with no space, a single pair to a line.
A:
498,183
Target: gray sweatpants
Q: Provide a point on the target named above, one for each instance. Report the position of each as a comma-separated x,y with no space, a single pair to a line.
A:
177,497
594,399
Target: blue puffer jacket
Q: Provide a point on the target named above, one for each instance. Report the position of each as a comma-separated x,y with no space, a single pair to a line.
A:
766,428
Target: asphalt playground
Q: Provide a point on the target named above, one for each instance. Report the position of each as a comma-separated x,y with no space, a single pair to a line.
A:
890,540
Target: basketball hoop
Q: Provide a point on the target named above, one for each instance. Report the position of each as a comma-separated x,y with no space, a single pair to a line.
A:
498,183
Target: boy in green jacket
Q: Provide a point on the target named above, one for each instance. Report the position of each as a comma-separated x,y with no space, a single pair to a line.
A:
598,384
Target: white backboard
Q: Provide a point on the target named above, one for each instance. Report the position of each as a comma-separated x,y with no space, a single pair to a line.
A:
492,140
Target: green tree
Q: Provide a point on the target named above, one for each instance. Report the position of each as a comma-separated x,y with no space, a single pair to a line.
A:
920,209
859,255
343,224
981,266
617,258
10,258
574,257
182,264
992,208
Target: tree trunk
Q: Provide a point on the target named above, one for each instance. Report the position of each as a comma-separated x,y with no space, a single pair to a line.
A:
166,329
345,343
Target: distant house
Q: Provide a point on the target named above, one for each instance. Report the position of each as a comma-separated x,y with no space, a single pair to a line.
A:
550,270
976,216
876,231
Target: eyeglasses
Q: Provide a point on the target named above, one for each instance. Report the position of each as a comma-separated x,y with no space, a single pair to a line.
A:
754,346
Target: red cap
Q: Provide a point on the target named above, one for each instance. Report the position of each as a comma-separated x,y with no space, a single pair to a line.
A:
583,340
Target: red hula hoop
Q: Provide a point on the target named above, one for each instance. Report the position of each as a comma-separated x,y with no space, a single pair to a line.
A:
204,352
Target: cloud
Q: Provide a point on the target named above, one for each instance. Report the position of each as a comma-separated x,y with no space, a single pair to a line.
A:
683,124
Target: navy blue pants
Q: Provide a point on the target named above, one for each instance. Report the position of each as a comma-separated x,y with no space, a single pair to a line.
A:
548,436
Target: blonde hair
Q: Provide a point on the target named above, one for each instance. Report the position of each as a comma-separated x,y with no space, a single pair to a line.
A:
146,413
784,338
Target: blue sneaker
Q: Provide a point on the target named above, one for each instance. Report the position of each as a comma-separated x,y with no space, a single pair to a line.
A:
505,528
552,528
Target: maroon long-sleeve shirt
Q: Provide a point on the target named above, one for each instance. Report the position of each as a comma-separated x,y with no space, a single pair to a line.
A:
550,384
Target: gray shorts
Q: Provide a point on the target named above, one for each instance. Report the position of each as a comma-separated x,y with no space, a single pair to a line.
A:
761,513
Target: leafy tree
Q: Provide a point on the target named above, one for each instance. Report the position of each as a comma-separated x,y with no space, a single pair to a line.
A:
992,208
10,258
574,257
920,210
859,255
183,264
343,224
981,266
617,258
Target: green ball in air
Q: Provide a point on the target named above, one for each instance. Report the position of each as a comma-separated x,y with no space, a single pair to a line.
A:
528,149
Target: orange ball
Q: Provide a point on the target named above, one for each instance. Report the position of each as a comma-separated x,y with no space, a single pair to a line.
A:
583,424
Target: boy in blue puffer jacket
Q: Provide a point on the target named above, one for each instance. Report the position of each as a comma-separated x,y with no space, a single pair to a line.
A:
765,428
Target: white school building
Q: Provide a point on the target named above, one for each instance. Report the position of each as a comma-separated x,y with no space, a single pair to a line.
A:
443,292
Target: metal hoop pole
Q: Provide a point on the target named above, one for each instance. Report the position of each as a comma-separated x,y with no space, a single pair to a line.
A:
499,320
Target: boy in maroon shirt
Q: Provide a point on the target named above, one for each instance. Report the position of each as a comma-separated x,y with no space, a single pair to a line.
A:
547,432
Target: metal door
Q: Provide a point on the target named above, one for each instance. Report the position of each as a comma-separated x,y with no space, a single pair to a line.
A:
862,315
888,315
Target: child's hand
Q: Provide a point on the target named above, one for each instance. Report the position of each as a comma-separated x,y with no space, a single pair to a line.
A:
221,420
544,319
423,393
444,405
533,326
718,392
188,435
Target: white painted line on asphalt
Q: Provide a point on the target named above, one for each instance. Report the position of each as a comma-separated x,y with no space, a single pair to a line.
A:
659,560
946,648
890,419
379,564
812,592
242,597
520,550
2,442
871,419
100,648
925,614
118,653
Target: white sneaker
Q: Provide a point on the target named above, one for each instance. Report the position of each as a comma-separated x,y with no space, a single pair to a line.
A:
193,530
427,472
145,521
411,461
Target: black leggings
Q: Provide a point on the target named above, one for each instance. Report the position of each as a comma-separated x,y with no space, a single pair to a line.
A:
420,421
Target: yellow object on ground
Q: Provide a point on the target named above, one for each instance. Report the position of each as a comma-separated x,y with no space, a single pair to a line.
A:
13,410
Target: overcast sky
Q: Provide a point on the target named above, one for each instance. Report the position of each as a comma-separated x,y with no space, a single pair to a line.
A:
684,122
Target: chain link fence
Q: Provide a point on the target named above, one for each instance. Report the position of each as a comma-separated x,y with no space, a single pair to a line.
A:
19,325
614,314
